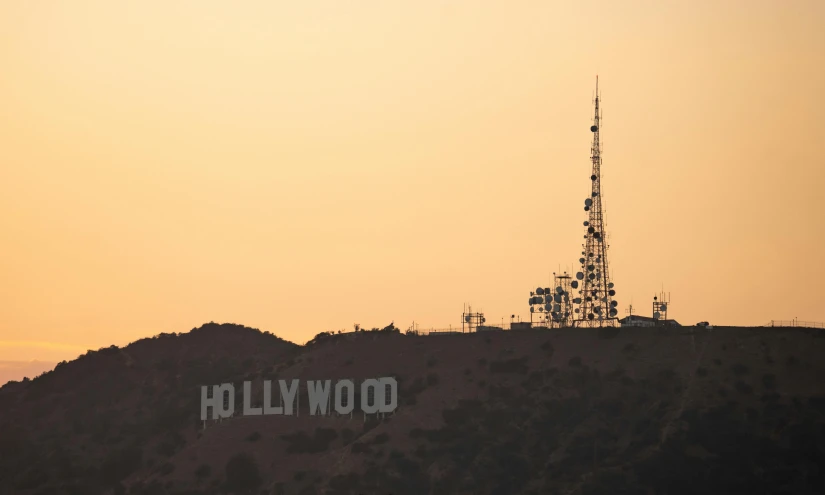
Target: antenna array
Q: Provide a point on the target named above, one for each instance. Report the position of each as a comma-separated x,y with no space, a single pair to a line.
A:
596,304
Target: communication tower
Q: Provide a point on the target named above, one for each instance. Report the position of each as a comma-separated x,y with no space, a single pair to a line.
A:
660,305
552,307
540,301
596,304
471,320
562,310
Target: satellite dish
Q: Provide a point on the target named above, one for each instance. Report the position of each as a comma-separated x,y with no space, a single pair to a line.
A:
590,230
581,260
590,267
574,284
557,298
588,202
580,275
610,285
613,312
559,290
539,291
532,309
576,310
586,223
557,307
577,300
656,315
614,303
541,309
467,319
663,307
592,276
586,208
547,306
593,177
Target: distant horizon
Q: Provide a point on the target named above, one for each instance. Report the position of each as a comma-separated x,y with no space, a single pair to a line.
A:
303,166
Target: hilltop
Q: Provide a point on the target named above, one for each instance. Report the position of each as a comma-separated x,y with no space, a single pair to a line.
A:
579,411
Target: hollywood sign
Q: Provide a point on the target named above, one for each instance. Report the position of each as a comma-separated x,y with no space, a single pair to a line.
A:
378,395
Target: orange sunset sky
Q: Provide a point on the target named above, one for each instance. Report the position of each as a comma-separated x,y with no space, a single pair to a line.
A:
302,166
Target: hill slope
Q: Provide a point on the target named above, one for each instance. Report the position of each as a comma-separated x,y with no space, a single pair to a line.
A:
558,411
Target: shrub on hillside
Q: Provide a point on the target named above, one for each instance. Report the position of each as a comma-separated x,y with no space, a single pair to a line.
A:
301,443
344,482
242,475
203,471
381,438
740,370
120,464
360,448
347,436
510,366
743,387
166,468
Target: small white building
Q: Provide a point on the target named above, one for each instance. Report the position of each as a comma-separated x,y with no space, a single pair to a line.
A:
645,321
637,321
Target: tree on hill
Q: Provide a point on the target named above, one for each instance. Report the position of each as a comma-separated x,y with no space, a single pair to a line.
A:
242,475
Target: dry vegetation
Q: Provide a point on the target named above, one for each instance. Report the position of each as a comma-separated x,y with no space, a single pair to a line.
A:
731,410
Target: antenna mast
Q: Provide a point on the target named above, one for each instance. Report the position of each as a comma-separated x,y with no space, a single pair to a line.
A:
596,304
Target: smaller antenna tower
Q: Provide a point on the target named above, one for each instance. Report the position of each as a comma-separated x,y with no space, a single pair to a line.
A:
660,305
470,320
541,301
562,310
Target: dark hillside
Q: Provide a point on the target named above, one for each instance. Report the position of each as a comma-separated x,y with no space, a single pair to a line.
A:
688,410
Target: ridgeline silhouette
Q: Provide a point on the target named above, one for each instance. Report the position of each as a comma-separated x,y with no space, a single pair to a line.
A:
582,411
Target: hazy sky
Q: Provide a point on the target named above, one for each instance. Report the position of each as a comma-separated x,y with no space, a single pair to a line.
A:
303,166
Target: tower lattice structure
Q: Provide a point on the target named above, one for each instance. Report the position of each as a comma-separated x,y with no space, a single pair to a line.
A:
596,304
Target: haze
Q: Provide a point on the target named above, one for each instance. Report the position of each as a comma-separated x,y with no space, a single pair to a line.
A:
304,166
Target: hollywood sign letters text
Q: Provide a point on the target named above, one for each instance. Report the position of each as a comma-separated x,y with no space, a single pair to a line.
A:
378,395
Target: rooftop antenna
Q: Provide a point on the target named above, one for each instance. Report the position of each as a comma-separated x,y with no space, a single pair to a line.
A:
660,306
472,320
596,304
